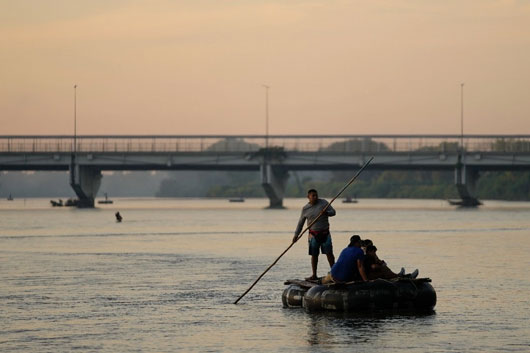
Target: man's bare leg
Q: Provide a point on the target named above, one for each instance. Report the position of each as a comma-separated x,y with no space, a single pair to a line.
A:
331,259
314,265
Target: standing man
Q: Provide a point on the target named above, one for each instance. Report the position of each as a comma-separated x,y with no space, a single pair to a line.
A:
319,237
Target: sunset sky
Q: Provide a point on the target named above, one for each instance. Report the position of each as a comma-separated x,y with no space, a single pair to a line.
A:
198,66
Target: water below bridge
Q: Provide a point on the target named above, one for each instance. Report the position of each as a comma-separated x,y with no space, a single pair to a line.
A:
164,279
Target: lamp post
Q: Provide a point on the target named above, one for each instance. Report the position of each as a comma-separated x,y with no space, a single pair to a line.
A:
462,117
75,119
266,116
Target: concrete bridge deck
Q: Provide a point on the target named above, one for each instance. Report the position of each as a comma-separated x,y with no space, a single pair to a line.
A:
249,143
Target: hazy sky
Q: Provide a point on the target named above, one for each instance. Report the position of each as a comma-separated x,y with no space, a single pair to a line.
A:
197,66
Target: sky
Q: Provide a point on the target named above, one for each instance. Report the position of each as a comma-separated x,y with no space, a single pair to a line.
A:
198,66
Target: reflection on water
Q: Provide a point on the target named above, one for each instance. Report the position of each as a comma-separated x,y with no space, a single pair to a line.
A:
165,278
330,328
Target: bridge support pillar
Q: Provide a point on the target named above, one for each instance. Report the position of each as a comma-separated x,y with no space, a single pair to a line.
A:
85,181
274,181
466,181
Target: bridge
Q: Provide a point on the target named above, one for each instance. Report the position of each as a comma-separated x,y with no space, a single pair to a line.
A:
273,156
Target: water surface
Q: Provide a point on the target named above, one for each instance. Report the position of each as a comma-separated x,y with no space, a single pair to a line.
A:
165,278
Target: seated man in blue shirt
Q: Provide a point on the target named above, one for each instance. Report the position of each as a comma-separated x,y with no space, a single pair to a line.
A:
349,266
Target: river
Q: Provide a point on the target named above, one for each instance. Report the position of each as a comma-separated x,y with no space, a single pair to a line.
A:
164,279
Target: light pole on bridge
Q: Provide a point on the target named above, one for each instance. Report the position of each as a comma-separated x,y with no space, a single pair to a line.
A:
266,116
462,117
75,119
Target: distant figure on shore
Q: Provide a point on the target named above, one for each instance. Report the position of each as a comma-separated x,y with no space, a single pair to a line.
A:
118,217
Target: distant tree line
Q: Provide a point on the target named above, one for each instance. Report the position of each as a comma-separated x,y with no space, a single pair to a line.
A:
371,184
386,184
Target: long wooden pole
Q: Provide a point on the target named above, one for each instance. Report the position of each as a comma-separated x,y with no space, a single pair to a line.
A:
305,230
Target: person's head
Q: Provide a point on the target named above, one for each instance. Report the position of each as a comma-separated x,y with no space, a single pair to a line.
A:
312,196
366,242
355,240
370,250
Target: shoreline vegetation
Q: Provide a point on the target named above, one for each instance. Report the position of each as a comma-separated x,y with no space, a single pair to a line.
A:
510,186
505,185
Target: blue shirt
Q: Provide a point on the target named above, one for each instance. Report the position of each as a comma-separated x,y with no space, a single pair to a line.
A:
345,269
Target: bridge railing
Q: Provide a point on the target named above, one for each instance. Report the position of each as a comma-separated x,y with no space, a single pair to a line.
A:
250,143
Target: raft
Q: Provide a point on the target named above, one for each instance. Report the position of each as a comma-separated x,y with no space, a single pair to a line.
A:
376,295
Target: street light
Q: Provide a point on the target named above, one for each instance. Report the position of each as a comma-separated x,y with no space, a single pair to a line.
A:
75,119
462,116
266,116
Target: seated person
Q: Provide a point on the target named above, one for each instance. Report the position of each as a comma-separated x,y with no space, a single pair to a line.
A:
349,266
376,268
365,243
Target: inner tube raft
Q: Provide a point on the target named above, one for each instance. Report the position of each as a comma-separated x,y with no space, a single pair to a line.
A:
380,294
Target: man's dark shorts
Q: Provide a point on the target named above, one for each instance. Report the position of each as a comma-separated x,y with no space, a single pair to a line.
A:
316,247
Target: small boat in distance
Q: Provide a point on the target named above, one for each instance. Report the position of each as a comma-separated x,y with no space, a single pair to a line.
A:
10,198
106,200
71,202
466,202
68,203
348,199
57,203
237,199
